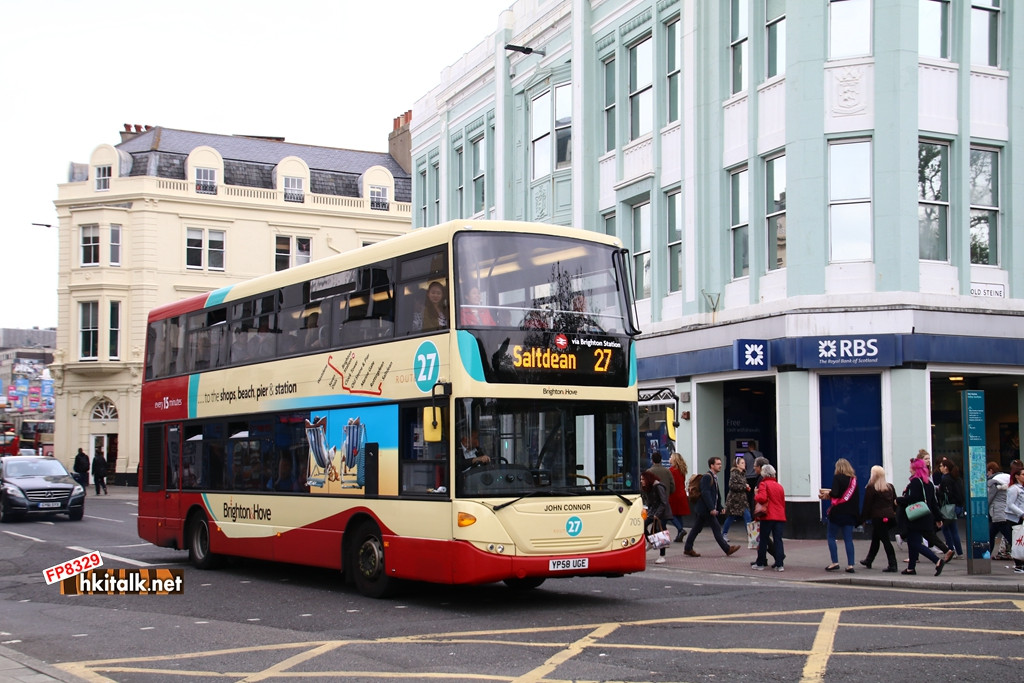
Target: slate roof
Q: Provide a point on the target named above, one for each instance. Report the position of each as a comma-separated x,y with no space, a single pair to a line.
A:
249,161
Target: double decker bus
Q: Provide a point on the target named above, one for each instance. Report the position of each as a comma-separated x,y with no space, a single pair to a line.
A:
37,434
457,405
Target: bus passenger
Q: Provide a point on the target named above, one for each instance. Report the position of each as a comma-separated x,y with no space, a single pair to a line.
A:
285,481
470,313
434,315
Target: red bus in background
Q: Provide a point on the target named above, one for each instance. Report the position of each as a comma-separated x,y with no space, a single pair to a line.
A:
37,434
9,441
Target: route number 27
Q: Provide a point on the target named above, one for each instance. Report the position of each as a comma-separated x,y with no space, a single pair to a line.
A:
602,360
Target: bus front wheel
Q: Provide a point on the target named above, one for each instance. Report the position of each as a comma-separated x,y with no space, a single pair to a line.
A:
199,543
367,562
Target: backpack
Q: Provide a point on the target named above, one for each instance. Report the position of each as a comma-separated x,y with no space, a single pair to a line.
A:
693,487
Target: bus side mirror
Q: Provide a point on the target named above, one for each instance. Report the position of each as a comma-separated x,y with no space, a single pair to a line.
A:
433,427
670,423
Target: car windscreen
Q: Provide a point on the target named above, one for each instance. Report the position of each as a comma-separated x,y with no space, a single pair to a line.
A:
35,468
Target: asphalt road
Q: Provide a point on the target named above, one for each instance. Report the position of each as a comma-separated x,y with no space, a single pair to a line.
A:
274,622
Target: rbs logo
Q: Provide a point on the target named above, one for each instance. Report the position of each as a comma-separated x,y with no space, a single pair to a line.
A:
847,348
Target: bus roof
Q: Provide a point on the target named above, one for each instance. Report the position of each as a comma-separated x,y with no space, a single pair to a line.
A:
415,240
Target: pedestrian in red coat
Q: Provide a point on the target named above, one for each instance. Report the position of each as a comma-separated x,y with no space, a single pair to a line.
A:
679,502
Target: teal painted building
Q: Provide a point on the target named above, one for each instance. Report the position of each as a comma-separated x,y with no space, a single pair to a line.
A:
819,197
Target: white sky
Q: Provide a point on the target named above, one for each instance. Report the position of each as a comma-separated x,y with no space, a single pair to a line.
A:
322,72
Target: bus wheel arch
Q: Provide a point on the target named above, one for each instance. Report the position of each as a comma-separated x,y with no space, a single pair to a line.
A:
364,560
197,540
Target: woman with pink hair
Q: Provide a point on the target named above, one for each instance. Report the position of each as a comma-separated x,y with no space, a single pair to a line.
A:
920,490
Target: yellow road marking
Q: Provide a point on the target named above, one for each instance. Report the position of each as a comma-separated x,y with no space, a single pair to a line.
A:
821,649
540,673
572,640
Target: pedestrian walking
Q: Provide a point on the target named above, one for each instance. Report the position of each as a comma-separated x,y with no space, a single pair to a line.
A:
771,494
843,512
880,511
737,504
81,468
951,504
920,490
656,499
99,471
707,509
998,483
678,500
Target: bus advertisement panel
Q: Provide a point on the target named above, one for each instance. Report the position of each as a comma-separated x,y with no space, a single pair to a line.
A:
457,405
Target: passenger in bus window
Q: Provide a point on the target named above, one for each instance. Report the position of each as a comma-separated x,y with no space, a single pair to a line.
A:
434,315
471,314
535,320
285,479
312,333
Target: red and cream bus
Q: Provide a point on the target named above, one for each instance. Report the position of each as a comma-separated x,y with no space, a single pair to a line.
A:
457,405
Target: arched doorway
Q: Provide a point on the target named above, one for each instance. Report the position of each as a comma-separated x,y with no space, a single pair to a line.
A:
103,432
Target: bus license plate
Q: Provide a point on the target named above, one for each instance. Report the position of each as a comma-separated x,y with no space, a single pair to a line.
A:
568,564
51,504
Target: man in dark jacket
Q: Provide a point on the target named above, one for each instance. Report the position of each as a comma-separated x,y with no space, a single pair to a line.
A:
99,471
706,510
81,468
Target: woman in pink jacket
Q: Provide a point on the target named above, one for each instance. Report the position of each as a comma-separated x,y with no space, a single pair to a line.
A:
770,494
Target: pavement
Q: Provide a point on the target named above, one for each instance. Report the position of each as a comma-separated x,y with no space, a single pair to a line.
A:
805,562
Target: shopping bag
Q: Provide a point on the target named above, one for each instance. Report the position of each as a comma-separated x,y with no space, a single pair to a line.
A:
753,534
660,539
1017,546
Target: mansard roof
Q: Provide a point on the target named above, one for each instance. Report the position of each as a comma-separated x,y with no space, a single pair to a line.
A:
249,161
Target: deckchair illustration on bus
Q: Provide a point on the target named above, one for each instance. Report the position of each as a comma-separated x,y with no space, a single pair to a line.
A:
353,454
321,465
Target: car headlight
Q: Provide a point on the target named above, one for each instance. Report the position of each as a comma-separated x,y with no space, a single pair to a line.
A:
78,490
14,492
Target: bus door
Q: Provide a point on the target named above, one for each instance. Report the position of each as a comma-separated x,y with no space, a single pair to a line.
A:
172,511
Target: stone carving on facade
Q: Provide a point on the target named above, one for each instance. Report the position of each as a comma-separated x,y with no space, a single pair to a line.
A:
848,96
540,203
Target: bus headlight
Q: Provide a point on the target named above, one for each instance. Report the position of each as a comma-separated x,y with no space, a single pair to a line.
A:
466,519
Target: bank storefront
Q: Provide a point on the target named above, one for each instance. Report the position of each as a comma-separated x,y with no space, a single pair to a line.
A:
805,402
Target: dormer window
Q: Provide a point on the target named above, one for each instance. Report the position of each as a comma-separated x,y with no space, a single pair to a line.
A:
102,178
206,181
378,197
293,191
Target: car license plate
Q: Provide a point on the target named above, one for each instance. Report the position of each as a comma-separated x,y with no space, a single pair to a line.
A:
50,504
568,564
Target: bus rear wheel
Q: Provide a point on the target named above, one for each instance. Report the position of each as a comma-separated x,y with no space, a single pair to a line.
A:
366,558
525,584
198,531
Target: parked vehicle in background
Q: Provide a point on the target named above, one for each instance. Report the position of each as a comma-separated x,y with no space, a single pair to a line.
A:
37,485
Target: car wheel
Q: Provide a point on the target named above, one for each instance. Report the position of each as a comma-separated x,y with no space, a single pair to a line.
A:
6,515
366,558
76,515
198,532
525,584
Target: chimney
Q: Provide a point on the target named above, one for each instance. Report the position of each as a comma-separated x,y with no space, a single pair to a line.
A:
400,141
132,130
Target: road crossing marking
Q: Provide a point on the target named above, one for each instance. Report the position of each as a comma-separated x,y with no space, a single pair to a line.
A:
569,642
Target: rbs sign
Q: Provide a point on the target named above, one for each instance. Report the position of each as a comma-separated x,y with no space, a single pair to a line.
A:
848,352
